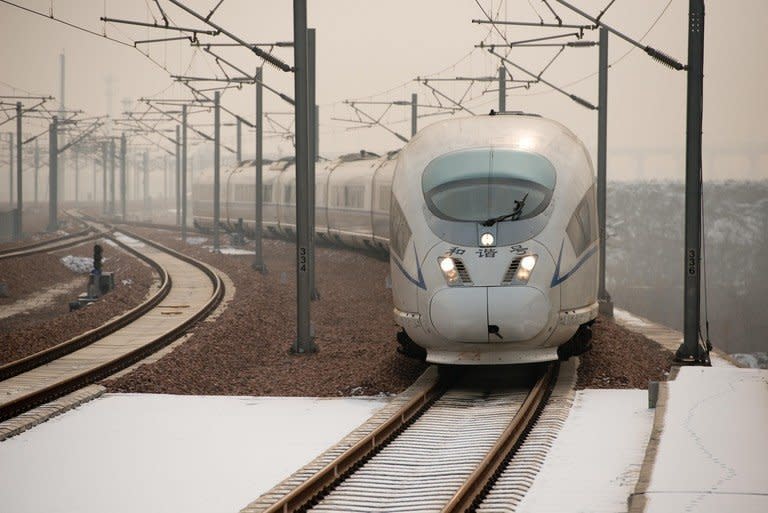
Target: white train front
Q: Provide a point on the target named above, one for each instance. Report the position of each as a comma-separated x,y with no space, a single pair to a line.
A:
492,232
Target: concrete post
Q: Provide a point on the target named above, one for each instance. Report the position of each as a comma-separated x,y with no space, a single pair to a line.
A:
37,168
239,155
604,298
414,113
258,257
123,179
53,157
104,177
312,125
184,173
303,342
691,351
112,178
19,182
216,169
177,183
502,89
10,169
145,186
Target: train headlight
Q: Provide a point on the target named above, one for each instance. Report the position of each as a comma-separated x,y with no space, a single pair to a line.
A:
487,239
527,263
450,273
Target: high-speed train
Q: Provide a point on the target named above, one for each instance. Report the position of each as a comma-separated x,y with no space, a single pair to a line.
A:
490,223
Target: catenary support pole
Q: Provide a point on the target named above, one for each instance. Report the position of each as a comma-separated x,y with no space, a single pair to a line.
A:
112,178
312,156
502,89
239,149
19,182
691,351
10,169
303,342
177,183
165,180
37,170
77,172
53,157
258,257
145,187
604,298
104,177
184,172
123,179
216,169
414,114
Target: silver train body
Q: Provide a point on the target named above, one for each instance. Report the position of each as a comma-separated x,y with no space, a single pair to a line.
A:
490,223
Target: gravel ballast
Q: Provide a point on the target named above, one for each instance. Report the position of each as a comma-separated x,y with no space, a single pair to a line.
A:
245,351
50,323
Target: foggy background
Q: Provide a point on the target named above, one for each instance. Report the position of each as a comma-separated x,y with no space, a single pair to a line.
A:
373,51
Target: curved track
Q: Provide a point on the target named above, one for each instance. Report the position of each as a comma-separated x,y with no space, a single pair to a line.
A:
440,452
190,290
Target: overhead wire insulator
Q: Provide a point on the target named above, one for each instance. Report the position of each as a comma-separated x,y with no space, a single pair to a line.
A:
665,59
582,102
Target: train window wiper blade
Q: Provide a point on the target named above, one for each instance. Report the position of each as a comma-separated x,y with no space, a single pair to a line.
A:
514,215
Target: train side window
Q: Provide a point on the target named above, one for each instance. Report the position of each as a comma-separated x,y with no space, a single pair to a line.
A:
288,194
354,196
399,231
385,193
582,228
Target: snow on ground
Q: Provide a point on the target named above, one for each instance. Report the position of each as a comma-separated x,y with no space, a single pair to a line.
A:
196,241
757,360
77,264
160,453
595,462
128,241
233,251
713,452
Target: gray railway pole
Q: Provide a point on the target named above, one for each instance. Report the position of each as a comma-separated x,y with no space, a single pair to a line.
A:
104,173
239,150
303,343
502,89
165,179
414,114
10,169
312,139
37,168
77,173
53,158
604,298
145,187
123,179
112,178
216,169
691,351
258,256
184,173
19,183
177,184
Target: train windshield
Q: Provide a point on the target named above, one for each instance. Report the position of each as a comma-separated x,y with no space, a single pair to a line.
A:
488,184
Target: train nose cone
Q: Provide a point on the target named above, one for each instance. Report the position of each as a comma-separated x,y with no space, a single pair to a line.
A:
465,314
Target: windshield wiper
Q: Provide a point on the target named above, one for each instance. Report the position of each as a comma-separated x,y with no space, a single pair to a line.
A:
514,215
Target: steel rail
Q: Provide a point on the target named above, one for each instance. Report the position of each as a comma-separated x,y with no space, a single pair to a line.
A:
478,483
85,339
334,472
30,400
473,489
48,245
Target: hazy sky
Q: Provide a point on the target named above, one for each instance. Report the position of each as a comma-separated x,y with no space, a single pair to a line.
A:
376,49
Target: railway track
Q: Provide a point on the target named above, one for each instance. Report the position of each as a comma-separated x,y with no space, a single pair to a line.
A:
66,241
189,291
441,452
